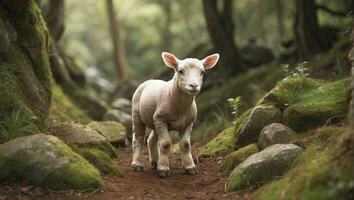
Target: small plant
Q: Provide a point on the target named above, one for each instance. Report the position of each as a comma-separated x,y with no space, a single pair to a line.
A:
16,124
299,71
234,103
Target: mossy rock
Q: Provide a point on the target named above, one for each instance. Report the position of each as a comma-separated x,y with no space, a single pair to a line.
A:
323,171
222,143
25,74
63,110
327,104
114,132
260,116
100,160
82,136
237,157
46,161
263,166
290,90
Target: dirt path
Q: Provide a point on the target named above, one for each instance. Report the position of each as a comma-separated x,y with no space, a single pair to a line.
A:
208,184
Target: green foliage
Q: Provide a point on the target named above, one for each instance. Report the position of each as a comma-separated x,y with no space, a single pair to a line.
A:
16,124
234,103
323,171
299,71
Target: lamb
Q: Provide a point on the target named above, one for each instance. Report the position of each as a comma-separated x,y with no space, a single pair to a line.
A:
163,106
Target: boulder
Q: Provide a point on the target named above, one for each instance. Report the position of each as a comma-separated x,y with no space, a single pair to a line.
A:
121,117
47,161
78,135
122,104
74,133
237,157
263,166
260,116
275,133
114,132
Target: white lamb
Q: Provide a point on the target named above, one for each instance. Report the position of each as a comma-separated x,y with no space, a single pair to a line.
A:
163,106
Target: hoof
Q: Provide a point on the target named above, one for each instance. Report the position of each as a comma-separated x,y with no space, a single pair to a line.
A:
192,171
138,168
164,173
154,165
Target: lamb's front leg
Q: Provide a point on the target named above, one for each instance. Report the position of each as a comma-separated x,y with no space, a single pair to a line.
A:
185,145
165,145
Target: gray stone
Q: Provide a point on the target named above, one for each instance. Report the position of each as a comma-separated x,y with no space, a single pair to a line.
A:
122,117
261,116
263,166
122,104
46,160
73,133
275,133
114,132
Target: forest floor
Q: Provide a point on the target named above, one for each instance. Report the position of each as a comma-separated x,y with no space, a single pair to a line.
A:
208,184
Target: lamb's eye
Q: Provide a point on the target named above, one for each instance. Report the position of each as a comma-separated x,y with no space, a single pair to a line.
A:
202,72
181,71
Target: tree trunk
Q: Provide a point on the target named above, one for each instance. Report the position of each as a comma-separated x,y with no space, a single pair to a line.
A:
166,35
306,30
120,60
55,18
221,31
279,8
351,107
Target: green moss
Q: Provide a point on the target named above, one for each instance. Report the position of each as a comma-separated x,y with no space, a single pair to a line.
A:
114,132
62,109
289,91
106,147
100,160
223,142
77,174
326,104
323,171
25,87
238,156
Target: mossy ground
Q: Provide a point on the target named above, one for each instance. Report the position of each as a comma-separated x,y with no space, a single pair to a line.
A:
100,160
238,156
62,109
323,171
327,104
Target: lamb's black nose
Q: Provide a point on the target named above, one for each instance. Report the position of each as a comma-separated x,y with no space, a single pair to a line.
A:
193,85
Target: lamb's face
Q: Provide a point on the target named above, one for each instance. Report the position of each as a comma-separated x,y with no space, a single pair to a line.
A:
190,75
190,71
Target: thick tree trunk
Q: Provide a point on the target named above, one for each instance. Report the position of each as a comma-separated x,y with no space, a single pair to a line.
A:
120,59
54,16
166,35
221,31
279,8
306,30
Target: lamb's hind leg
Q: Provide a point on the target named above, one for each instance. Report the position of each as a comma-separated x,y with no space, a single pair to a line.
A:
153,149
185,145
138,143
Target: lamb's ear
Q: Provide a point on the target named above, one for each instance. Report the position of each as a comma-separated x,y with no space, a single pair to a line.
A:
210,61
170,60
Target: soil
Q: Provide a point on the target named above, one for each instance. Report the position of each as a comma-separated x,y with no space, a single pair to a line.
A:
208,184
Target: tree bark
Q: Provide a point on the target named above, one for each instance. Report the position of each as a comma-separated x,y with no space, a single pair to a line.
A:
55,18
306,30
166,35
279,8
120,60
351,106
221,31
